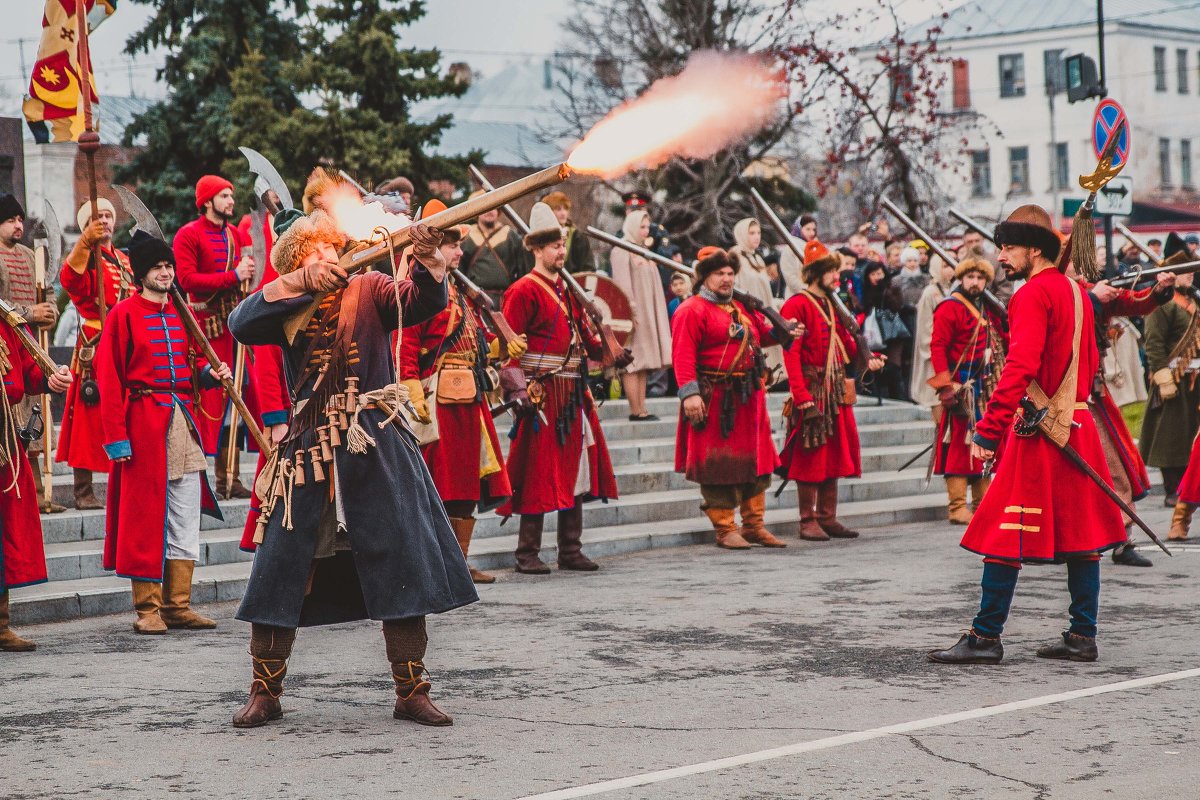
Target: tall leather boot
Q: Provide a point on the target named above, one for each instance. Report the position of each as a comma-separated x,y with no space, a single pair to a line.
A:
529,544
724,524
570,540
806,494
39,485
827,498
8,640
979,487
85,495
270,648
406,642
463,528
147,602
753,531
177,592
956,490
238,491
1181,522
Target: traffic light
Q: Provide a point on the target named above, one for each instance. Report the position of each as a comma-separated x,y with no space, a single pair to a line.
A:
1082,80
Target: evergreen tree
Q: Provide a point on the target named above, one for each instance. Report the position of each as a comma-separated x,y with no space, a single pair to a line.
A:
189,133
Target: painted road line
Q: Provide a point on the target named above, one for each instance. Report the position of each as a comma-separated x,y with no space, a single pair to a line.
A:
661,776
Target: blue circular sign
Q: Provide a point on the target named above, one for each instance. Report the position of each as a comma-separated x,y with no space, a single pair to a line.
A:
1109,117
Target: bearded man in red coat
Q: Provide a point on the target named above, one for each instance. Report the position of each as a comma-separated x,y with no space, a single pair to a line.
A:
158,487
723,441
558,458
967,352
1041,507
212,270
22,556
443,361
822,444
81,437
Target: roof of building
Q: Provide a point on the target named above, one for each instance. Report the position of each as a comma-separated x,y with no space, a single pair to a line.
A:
500,115
979,18
115,113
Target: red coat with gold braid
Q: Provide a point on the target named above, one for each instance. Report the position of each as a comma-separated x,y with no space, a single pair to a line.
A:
551,461
81,437
1041,506
704,348
22,556
466,461
146,365
205,257
815,368
961,350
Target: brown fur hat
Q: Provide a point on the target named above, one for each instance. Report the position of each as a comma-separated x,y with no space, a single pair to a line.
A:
298,240
975,263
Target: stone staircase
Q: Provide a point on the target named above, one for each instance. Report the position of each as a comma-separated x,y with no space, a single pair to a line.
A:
657,508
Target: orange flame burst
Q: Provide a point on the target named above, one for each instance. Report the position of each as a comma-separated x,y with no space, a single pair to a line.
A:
357,219
717,99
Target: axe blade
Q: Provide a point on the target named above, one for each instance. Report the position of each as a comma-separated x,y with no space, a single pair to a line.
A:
137,209
260,166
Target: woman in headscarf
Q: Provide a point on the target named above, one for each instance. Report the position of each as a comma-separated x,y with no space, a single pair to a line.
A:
881,298
651,337
754,277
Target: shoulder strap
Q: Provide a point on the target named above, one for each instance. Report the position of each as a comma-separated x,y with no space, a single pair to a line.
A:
1061,407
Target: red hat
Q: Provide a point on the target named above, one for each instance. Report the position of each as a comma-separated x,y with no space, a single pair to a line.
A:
209,187
818,260
455,233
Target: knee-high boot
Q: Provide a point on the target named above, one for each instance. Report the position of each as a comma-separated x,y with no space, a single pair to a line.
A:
827,500
39,485
270,648
8,640
85,494
463,528
147,602
529,543
570,540
956,491
1181,522
177,591
406,642
806,495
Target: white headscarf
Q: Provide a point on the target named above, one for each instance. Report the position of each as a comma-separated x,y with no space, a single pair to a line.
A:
632,226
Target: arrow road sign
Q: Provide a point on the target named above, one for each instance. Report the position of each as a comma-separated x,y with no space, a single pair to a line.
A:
1116,198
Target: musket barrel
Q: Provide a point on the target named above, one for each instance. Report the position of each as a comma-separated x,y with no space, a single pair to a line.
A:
917,231
972,224
521,225
637,249
1138,243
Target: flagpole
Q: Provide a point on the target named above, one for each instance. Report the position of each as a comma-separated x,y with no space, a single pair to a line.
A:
89,143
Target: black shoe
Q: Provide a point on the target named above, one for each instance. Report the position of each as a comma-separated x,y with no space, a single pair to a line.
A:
971,649
1071,647
1130,557
643,418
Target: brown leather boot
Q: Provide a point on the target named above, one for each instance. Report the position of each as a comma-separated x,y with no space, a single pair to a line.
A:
724,524
270,648
570,540
463,528
412,696
177,591
85,495
827,497
753,531
956,489
39,485
806,494
979,487
237,491
529,543
1181,522
8,640
147,601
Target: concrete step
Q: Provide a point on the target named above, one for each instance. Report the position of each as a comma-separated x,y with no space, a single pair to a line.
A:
75,526
74,560
93,596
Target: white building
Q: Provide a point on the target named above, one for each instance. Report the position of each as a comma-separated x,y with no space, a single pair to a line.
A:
1030,145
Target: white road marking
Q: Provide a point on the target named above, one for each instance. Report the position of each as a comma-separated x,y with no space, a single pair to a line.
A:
660,776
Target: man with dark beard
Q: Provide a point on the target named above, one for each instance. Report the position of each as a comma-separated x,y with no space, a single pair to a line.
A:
967,350
210,267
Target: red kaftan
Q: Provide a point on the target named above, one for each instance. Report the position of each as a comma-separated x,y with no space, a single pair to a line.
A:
22,555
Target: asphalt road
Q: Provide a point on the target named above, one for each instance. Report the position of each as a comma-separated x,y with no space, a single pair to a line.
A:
663,660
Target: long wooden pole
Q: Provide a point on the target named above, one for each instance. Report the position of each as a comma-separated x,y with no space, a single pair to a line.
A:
89,143
39,280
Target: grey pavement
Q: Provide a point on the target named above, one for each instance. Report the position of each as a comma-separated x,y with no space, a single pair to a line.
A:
663,659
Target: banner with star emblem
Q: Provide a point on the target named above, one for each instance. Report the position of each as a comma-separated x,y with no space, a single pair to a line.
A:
54,108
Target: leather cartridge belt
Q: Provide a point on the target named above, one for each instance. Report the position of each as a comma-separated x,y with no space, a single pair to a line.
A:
539,364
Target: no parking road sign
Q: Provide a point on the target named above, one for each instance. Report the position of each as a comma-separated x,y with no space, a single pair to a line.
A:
1109,119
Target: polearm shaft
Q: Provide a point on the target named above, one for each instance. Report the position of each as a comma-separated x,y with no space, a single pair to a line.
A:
972,224
1139,244
992,301
89,143
39,273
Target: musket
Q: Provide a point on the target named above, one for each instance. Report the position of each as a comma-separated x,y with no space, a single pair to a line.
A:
1140,275
1035,418
783,333
1138,243
614,351
12,317
486,306
972,224
146,222
993,302
862,351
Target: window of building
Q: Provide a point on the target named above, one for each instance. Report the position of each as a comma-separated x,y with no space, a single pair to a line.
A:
981,173
1185,163
1060,166
1018,170
1056,73
901,78
1160,69
1182,69
1164,162
961,81
1012,75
